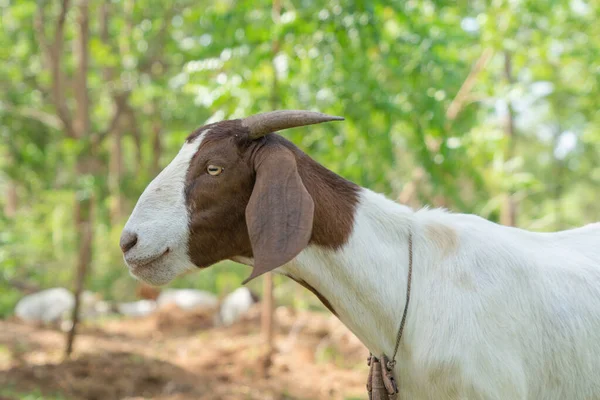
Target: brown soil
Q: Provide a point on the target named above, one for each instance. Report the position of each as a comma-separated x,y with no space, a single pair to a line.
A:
179,355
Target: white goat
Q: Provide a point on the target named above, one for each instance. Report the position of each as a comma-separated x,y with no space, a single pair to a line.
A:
495,312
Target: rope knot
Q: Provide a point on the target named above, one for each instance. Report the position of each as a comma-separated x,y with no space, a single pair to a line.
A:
391,364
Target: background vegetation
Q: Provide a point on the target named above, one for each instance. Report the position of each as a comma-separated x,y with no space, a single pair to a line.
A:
481,107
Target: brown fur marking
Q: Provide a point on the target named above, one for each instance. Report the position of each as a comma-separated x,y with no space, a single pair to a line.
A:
322,298
443,237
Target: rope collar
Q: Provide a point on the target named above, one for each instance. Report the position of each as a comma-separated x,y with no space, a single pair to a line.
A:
381,383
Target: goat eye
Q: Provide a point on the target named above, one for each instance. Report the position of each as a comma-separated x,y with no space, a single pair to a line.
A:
214,170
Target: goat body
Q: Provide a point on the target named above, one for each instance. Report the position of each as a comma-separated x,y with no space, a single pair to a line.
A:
496,313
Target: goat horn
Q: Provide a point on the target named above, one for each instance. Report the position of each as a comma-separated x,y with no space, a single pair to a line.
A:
265,123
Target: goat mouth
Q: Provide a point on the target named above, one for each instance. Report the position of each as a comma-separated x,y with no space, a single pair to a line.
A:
148,261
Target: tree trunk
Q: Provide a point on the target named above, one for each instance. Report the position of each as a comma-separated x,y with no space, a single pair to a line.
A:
267,320
81,122
137,138
557,177
85,164
114,131
508,214
76,127
156,144
267,317
115,174
84,229
12,199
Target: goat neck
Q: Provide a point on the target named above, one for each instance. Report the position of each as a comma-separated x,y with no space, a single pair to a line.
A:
357,259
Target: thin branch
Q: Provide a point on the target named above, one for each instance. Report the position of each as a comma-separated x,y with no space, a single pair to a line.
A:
39,24
58,76
53,53
82,115
47,119
23,286
137,135
60,24
156,142
119,109
459,100
510,121
508,215
128,31
119,99
108,72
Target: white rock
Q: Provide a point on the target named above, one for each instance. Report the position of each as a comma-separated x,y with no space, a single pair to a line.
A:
137,308
46,306
235,305
102,308
187,299
95,309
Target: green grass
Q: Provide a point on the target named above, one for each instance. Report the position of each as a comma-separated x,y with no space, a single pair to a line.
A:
8,300
12,393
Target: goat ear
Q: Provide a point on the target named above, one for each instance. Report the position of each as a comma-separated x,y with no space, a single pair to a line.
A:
280,212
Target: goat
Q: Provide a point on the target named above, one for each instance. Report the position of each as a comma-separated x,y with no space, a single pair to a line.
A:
495,312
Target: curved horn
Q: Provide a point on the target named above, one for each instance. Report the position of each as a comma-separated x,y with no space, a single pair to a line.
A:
262,124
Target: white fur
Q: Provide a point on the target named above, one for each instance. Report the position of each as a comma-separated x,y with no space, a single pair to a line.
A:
243,260
161,221
495,313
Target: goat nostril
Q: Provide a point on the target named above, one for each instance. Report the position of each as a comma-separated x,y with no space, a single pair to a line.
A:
128,240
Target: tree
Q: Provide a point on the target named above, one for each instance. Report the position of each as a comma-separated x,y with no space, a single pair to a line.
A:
92,109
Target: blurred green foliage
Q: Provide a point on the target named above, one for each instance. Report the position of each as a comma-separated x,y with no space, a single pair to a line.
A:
11,393
391,68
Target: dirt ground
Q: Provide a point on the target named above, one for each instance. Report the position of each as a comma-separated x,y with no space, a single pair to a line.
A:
179,355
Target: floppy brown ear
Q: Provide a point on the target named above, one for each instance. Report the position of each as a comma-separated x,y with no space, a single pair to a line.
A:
280,212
